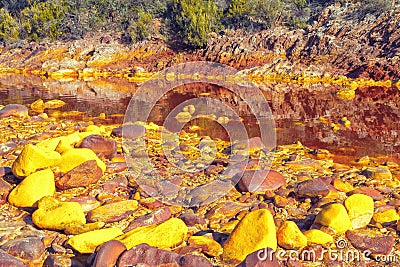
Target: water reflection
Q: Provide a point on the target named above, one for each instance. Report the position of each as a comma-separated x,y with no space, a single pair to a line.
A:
301,114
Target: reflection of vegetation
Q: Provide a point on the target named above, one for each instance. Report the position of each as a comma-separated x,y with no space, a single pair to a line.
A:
135,20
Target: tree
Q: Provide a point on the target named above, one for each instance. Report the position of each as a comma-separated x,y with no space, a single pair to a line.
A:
9,28
43,19
196,19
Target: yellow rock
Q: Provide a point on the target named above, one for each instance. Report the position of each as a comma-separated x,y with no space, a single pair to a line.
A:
165,235
378,173
190,108
56,215
343,186
49,144
360,208
76,229
33,158
290,237
334,216
183,116
207,245
255,231
87,242
315,236
52,143
38,105
229,226
33,188
63,146
75,157
55,103
386,216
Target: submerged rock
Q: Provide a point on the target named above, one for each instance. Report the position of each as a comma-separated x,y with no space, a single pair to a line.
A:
102,146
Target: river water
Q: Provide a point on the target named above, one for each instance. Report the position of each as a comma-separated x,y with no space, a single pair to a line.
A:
312,115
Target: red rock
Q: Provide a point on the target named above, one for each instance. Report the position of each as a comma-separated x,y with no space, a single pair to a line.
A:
260,180
194,260
375,242
145,254
192,219
129,131
83,175
154,217
151,204
115,183
109,253
14,110
261,258
115,167
100,145
375,194
88,203
4,186
311,188
28,248
6,260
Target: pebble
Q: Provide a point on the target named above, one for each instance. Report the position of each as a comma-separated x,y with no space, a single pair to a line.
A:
100,145
33,158
129,131
192,219
56,215
360,208
87,242
109,253
155,217
27,248
261,258
334,216
82,175
33,188
380,173
290,237
312,188
57,261
386,216
255,231
14,110
260,181
113,212
165,235
375,194
6,260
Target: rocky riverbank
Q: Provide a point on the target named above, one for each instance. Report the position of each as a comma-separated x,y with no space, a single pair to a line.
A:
69,199
338,45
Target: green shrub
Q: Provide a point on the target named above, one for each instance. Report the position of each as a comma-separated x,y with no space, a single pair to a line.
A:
9,28
43,19
140,27
196,19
